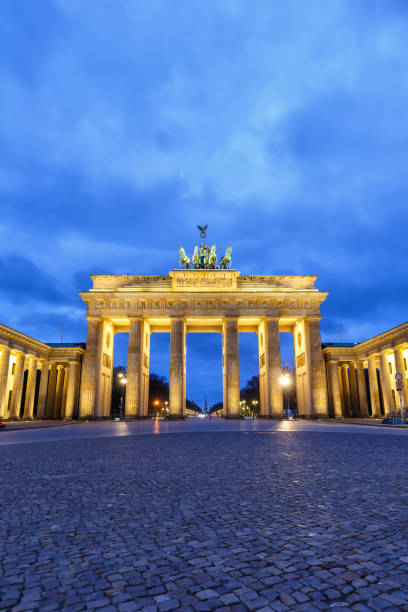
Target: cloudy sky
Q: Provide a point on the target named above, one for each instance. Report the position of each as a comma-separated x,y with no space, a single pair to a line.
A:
283,125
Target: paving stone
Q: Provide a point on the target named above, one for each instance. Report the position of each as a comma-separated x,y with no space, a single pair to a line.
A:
206,594
206,529
229,598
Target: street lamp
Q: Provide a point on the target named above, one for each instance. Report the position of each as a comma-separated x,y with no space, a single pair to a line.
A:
123,381
254,404
285,381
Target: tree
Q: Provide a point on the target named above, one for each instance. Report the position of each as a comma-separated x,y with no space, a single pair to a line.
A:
193,406
158,393
216,407
251,390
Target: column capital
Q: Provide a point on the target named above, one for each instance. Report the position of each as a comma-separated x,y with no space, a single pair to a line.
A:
386,351
16,349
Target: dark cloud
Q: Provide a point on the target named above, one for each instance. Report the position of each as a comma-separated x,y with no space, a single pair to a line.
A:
21,279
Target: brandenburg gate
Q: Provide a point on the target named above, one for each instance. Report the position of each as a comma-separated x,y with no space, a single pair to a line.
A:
74,380
203,299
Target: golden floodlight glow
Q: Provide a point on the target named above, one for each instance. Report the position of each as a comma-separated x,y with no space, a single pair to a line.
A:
284,380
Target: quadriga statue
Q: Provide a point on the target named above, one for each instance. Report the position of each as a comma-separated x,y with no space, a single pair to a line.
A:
226,260
196,258
212,260
184,260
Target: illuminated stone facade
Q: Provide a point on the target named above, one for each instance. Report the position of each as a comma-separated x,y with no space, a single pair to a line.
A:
188,301
361,377
43,381
38,380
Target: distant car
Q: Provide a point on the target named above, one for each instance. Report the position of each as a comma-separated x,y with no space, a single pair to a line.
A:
2,425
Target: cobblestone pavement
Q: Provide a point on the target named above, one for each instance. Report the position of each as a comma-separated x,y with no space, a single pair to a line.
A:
26,433
205,521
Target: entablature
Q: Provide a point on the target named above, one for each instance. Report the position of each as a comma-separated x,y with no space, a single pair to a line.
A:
197,280
18,342
262,304
387,341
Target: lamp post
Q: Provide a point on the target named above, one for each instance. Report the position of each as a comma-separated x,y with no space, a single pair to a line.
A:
285,381
254,404
123,381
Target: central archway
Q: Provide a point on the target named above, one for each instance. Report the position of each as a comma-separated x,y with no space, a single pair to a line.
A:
204,368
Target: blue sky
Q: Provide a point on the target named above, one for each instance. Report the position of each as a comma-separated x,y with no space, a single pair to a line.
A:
283,125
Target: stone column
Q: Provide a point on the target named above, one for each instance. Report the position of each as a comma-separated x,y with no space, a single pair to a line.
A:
362,391
58,392
400,368
134,368
374,391
355,406
64,392
30,389
346,390
72,390
264,409
177,395
42,392
91,370
52,384
334,387
317,370
231,399
4,372
388,400
17,387
273,367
